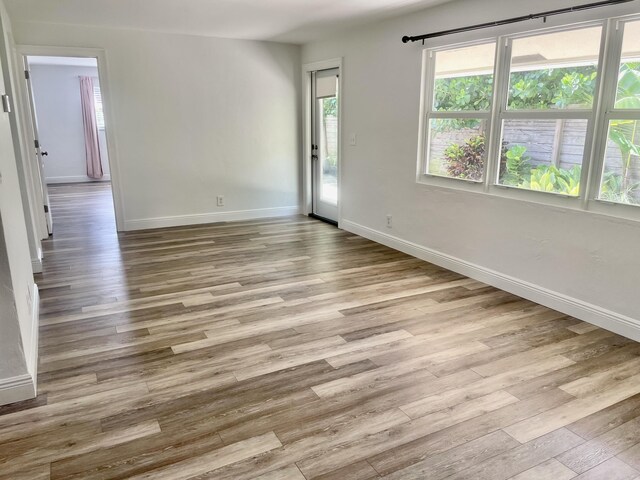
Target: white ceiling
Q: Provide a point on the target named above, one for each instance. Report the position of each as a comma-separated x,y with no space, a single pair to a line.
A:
295,21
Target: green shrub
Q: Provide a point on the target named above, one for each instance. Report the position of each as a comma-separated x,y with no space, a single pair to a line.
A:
547,178
614,189
515,167
466,160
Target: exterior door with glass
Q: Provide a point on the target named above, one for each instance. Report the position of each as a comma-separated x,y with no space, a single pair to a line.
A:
325,154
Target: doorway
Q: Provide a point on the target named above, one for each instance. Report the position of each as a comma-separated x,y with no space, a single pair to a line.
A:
69,129
324,142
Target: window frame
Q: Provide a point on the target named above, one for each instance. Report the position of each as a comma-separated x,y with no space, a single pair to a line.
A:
504,114
609,112
597,129
428,113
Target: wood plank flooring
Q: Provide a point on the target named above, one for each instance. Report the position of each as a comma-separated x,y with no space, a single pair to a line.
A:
286,349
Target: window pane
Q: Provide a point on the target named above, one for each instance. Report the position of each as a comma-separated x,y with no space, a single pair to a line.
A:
328,151
464,79
628,95
457,148
621,179
97,100
555,70
543,155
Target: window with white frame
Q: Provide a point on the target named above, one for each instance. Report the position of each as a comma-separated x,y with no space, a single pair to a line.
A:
547,110
620,178
459,111
559,114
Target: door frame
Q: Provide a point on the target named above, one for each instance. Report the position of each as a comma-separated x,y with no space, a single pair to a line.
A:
307,174
23,51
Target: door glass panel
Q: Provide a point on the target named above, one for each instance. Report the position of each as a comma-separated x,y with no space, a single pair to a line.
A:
328,149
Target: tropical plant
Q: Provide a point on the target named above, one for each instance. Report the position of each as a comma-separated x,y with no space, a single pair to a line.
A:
552,88
613,189
528,90
466,160
516,170
541,89
623,132
547,178
515,166
576,88
463,93
330,106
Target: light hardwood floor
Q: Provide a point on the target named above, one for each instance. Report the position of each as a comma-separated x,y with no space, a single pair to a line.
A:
288,349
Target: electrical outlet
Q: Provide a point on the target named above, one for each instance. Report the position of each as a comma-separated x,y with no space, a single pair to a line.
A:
220,200
389,221
353,139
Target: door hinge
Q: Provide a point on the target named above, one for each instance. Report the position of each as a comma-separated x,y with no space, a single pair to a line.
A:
27,75
36,143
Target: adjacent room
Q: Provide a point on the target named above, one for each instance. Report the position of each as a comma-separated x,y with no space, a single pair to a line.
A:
68,108
320,240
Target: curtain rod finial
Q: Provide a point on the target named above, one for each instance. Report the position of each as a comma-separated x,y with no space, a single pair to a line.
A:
406,39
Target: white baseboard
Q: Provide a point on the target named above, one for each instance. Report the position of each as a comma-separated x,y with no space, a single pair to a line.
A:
24,387
77,179
16,389
607,319
32,361
36,263
201,218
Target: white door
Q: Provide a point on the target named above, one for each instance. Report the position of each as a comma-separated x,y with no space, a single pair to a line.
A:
325,131
39,152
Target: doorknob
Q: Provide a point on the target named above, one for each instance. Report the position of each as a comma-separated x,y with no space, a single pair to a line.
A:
44,153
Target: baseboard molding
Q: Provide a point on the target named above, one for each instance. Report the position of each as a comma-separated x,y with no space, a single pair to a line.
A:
36,263
202,218
607,319
24,387
77,179
16,389
32,361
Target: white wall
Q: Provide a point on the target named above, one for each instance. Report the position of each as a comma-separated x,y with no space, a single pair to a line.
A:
11,349
31,206
56,90
582,262
18,332
193,118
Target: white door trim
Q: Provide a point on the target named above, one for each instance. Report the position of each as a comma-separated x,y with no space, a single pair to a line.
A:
307,68
101,56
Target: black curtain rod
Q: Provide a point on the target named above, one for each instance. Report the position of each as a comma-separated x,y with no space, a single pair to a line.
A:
508,21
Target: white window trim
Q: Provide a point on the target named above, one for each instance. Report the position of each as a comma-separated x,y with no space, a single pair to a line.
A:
596,138
503,113
609,112
427,114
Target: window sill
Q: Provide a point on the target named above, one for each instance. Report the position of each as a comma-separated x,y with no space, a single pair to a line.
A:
624,213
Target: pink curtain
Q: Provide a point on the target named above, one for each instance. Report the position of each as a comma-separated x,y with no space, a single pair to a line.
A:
91,145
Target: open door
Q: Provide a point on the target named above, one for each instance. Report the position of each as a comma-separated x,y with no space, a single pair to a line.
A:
39,152
325,129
